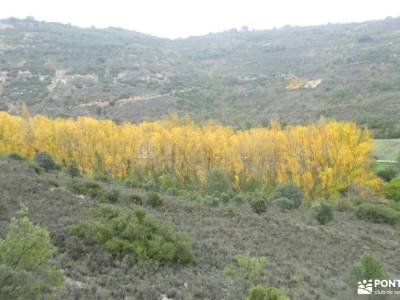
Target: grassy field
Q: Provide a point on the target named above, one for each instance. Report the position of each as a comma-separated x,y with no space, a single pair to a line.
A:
386,149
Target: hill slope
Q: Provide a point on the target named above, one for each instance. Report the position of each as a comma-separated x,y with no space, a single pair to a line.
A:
295,74
307,260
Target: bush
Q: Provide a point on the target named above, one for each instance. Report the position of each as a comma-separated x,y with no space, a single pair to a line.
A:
45,161
225,198
238,200
266,293
136,199
378,213
258,205
15,156
323,212
172,191
392,189
151,186
387,174
90,188
73,170
112,196
25,255
167,182
284,203
368,267
122,233
218,181
290,191
154,199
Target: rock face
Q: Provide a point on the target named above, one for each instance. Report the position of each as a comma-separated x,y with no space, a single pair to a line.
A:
296,83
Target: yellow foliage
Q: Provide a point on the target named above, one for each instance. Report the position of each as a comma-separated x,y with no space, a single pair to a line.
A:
322,158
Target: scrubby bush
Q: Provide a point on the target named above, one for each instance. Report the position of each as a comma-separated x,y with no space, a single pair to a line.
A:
151,186
368,267
218,180
122,233
172,191
73,170
25,268
246,270
266,293
225,198
250,185
168,181
112,196
387,174
153,199
89,188
392,189
257,203
136,199
284,203
45,160
378,213
15,156
323,212
290,191
238,200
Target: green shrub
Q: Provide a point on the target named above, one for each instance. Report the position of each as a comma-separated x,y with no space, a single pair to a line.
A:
260,292
136,199
246,270
284,203
238,200
392,189
73,170
133,183
378,213
89,188
225,198
103,178
122,233
15,156
151,186
290,191
167,182
25,255
368,267
250,185
112,196
387,174
172,191
323,212
218,181
45,161
257,203
153,199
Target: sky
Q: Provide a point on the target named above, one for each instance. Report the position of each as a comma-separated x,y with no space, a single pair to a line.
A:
182,18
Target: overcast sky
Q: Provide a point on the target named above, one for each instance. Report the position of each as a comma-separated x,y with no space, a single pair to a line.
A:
181,18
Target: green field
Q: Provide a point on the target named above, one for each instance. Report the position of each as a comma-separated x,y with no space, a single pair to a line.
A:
386,149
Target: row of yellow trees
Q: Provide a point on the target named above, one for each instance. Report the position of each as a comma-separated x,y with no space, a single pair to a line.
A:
322,158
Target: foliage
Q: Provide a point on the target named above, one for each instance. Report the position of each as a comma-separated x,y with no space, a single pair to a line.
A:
378,213
257,203
212,155
284,203
387,174
25,268
368,267
136,199
112,196
122,233
247,269
260,292
392,189
45,160
218,181
73,170
153,199
15,156
90,188
292,192
323,212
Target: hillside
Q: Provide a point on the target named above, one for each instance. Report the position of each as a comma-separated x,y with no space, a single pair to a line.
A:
294,74
305,259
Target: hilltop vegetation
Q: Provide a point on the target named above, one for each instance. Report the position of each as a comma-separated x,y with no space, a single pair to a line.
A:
293,74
